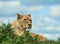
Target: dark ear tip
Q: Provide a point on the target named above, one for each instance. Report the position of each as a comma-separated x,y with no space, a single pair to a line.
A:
17,14
29,14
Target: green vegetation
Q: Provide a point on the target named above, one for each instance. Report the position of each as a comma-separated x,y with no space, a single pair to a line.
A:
8,37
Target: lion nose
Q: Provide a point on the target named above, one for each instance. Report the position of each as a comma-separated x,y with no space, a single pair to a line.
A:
29,25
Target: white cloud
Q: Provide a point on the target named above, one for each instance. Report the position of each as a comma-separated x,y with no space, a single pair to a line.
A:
9,7
10,3
32,8
8,0
50,28
45,23
34,28
15,3
36,8
7,20
54,10
15,6
48,20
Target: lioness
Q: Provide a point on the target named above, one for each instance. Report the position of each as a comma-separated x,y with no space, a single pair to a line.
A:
22,23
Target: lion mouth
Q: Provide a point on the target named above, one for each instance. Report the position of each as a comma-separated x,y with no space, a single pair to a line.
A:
29,27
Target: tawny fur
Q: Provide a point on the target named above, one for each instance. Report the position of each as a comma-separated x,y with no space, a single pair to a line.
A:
20,21
16,29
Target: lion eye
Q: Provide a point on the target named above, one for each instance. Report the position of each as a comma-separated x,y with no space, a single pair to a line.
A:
30,20
24,19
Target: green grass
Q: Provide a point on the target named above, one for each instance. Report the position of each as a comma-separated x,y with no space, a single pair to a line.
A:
8,37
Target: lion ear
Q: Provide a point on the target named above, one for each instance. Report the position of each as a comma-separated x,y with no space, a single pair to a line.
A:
18,15
29,15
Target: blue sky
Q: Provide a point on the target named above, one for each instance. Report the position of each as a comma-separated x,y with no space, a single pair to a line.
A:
45,15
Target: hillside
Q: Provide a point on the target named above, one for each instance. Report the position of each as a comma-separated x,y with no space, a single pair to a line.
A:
8,37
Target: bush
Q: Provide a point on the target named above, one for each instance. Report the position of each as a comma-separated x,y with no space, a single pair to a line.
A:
8,37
